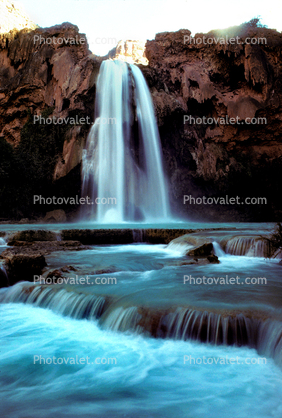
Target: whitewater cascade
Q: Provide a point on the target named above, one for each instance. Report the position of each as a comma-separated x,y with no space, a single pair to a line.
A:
248,246
122,162
240,329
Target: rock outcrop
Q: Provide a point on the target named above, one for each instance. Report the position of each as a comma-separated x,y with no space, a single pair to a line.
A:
45,74
218,80
47,68
132,52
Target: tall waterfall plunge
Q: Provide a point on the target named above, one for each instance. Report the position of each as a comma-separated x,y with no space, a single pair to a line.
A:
122,162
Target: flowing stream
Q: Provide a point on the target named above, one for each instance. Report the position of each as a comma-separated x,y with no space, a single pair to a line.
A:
147,335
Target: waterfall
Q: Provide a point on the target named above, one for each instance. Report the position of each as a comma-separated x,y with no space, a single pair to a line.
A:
248,246
122,163
253,330
4,280
67,303
209,327
122,319
181,248
265,335
218,251
2,242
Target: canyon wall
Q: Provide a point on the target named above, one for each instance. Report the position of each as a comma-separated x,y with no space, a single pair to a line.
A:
220,80
58,80
49,73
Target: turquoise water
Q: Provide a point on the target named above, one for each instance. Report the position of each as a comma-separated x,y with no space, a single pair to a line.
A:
142,376
149,377
173,225
152,275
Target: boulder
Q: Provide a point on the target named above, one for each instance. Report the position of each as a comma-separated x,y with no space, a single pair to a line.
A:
204,250
23,266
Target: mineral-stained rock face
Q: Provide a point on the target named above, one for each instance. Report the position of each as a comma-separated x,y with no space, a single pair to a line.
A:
45,71
46,68
219,80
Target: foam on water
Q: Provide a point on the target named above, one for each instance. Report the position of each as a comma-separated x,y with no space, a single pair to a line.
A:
218,250
2,242
149,378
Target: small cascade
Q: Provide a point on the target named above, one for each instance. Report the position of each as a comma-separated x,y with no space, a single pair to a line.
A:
4,280
248,246
259,248
270,340
66,303
239,330
122,319
138,235
58,236
2,242
218,251
209,327
235,329
181,248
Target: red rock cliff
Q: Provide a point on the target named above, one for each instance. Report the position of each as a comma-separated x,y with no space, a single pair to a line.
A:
238,80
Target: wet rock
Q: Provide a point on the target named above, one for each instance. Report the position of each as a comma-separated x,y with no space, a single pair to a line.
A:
67,269
204,250
213,259
203,261
23,266
15,243
163,236
106,271
33,235
58,215
52,276
123,236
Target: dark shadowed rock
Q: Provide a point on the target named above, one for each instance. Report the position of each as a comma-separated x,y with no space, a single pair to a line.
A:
3,277
219,80
23,266
33,235
204,250
57,215
213,259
